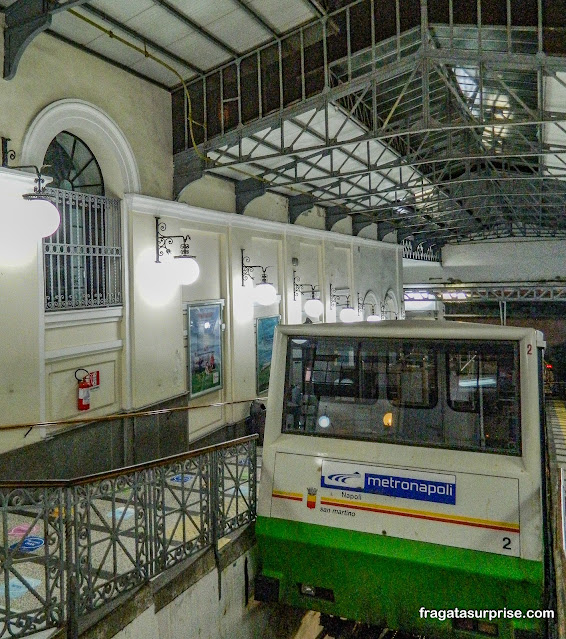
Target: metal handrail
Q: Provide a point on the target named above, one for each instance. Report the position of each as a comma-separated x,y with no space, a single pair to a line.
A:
114,416
69,547
112,474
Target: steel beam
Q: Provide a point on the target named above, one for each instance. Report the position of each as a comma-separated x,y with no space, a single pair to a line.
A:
246,191
488,292
299,204
334,214
25,19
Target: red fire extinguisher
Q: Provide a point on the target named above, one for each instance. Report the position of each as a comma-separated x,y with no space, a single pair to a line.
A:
83,402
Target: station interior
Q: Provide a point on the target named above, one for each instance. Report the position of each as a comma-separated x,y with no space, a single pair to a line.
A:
212,169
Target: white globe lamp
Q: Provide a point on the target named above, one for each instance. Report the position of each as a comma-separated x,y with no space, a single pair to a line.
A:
187,269
265,294
348,315
43,215
314,308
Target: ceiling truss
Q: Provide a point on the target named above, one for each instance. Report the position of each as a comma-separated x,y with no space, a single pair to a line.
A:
434,126
488,292
441,141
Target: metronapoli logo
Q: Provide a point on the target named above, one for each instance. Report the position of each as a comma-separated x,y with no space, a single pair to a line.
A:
393,482
346,481
443,492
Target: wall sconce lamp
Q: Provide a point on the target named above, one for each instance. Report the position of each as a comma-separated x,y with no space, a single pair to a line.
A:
43,216
348,314
313,306
372,317
187,265
264,293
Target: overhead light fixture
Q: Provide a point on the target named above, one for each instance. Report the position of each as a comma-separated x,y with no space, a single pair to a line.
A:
185,264
313,307
372,317
348,314
264,292
43,216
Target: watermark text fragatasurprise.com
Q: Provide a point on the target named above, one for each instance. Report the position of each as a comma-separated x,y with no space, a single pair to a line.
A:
486,615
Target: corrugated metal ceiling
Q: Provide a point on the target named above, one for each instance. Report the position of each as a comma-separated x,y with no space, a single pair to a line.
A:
438,129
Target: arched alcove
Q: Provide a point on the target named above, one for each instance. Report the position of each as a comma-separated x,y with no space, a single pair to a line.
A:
99,132
371,305
390,305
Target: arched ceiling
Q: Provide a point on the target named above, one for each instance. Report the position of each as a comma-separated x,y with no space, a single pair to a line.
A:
442,121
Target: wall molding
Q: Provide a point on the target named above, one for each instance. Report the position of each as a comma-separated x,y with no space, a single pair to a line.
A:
62,319
153,206
83,349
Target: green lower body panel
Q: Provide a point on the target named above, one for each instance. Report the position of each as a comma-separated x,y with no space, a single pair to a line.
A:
383,580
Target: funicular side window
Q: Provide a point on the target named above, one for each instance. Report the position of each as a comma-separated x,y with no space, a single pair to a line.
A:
483,380
421,392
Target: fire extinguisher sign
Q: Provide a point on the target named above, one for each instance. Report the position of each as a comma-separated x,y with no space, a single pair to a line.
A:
94,379
87,381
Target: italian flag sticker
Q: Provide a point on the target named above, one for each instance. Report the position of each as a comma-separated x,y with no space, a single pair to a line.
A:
311,497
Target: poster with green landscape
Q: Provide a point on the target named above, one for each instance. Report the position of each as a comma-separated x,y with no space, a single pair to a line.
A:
205,348
265,330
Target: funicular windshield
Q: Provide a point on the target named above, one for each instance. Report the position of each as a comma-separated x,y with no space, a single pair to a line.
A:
450,394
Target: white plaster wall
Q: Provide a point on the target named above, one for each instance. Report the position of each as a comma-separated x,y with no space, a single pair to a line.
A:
141,110
200,612
264,249
343,226
338,267
61,386
157,327
270,206
508,261
19,355
308,271
21,337
210,192
313,218
159,344
378,271
369,232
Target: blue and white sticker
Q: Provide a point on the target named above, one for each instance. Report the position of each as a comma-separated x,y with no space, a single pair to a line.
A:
182,479
392,482
127,513
18,588
29,544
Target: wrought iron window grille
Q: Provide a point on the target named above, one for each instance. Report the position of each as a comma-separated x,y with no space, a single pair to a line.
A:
83,258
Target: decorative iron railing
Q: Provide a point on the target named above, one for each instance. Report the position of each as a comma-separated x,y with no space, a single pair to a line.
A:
418,252
70,547
83,258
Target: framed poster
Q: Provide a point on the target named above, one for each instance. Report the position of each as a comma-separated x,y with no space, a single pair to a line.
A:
265,330
204,333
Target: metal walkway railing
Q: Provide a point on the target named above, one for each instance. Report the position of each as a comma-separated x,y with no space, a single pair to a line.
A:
68,548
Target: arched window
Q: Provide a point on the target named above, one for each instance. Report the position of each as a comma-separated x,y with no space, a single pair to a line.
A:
82,259
73,166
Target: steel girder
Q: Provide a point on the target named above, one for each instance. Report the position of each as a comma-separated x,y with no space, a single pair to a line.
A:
424,124
26,19
488,292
